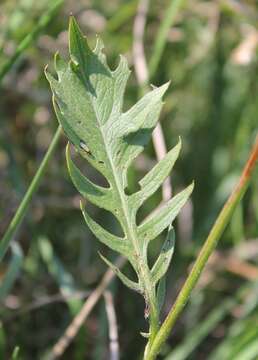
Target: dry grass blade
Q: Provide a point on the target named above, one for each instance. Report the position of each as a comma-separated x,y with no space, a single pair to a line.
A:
71,331
142,76
113,333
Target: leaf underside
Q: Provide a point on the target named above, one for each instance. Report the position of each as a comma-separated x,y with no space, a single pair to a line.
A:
88,101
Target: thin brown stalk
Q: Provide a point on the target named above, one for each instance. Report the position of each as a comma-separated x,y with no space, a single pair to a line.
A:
113,333
142,76
73,328
47,300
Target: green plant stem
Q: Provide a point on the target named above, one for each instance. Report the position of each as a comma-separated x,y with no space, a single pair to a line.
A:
208,247
28,39
161,38
195,337
21,211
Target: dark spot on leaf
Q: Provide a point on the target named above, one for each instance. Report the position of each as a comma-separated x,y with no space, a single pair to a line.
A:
84,147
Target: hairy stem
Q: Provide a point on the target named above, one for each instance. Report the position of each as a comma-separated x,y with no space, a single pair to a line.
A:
208,247
21,211
144,272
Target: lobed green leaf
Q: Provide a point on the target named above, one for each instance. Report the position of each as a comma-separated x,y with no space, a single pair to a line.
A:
88,101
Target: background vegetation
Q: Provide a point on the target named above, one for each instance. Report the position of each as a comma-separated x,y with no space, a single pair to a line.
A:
212,60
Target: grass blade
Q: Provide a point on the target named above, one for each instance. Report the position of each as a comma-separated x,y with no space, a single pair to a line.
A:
64,279
21,211
29,38
161,38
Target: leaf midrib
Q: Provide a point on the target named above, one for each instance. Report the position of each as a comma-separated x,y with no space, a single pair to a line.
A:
118,186
142,267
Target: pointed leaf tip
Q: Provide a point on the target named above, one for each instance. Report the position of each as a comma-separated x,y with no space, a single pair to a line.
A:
78,46
161,89
72,23
60,65
125,280
74,29
82,204
99,45
156,223
156,176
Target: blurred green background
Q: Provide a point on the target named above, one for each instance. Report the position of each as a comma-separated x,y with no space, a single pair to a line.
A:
211,58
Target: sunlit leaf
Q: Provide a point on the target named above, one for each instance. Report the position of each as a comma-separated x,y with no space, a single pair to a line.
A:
88,100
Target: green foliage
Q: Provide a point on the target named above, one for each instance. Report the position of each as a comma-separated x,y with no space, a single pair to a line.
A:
63,278
30,37
88,100
212,105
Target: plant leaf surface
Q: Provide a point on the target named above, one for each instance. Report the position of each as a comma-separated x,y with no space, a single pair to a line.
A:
88,101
